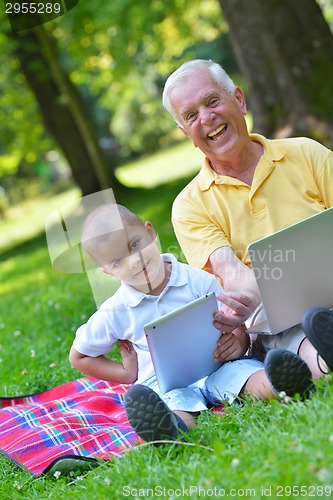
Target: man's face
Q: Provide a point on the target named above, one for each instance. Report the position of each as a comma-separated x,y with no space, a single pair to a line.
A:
132,256
211,116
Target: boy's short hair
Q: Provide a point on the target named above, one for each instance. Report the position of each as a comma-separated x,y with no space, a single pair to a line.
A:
103,223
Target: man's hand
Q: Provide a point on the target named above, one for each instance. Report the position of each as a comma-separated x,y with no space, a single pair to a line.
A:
239,307
241,296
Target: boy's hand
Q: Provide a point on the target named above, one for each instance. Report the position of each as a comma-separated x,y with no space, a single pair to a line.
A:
229,347
129,357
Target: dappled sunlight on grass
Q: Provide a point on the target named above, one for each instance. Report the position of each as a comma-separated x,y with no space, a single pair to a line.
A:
26,220
178,161
14,280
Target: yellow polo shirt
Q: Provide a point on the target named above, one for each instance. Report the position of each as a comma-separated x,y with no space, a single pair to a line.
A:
293,180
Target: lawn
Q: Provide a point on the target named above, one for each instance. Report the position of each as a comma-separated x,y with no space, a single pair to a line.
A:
261,450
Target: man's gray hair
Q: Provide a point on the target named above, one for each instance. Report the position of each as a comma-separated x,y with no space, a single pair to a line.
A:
191,68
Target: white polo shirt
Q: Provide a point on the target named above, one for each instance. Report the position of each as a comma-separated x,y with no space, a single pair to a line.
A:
124,315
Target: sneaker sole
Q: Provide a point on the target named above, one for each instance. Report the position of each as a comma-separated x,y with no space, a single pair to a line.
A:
149,416
287,372
317,324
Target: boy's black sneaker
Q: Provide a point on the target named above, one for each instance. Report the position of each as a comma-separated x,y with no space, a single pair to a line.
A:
150,417
288,373
317,324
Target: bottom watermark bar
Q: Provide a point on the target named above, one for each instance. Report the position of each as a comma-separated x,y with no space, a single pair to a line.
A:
202,492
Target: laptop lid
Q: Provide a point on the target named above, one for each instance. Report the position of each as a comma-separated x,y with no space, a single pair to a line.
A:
294,270
182,344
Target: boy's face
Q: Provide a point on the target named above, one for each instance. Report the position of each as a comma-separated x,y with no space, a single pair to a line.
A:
132,256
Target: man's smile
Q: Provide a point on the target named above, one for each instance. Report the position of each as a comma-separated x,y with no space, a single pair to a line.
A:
218,132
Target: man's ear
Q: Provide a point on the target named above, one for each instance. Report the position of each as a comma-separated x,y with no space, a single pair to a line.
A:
239,96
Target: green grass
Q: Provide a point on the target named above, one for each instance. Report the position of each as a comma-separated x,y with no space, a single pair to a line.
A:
260,446
160,168
26,220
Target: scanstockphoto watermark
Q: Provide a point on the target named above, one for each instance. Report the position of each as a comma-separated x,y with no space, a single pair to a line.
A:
24,15
187,492
276,491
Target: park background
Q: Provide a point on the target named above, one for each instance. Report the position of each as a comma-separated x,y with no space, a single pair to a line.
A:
81,111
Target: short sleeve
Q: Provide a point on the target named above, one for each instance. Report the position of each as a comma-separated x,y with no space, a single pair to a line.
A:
197,235
95,338
323,163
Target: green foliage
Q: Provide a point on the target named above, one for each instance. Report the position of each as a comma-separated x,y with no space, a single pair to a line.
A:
327,8
118,55
130,50
23,139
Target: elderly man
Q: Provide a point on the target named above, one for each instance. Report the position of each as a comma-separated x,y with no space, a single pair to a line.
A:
248,187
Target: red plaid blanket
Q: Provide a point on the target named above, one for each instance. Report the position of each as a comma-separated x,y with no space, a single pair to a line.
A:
83,420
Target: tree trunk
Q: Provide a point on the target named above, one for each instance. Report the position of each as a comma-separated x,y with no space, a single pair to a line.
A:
284,49
63,111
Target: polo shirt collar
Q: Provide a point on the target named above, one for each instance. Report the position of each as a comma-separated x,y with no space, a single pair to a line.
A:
178,277
207,176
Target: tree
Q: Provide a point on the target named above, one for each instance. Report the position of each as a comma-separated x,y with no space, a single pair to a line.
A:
284,49
130,50
63,111
117,57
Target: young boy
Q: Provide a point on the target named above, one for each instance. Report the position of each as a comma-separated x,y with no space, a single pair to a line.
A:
152,285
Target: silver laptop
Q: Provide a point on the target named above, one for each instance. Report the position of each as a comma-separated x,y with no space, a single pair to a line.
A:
182,344
294,270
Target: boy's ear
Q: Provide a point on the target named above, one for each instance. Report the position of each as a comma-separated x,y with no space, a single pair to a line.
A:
106,271
150,229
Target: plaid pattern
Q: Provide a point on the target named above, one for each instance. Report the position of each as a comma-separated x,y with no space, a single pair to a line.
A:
83,419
